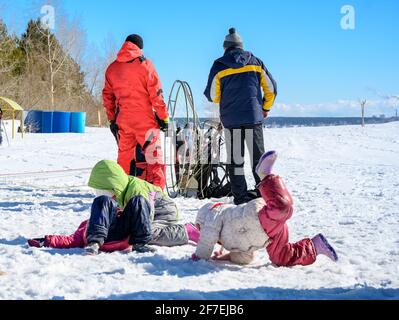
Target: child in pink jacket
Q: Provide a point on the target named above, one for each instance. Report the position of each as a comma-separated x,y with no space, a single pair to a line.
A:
261,223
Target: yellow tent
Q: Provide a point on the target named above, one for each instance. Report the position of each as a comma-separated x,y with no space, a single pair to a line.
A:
7,105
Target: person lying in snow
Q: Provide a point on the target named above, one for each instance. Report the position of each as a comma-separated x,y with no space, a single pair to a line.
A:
258,224
128,214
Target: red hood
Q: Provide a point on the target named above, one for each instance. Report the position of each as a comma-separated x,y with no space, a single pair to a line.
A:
128,52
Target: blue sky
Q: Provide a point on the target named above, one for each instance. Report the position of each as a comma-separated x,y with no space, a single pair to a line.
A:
320,68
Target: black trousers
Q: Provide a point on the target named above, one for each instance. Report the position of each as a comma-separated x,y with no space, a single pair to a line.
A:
105,225
235,147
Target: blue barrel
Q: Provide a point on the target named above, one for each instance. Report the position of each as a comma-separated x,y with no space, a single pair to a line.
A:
61,122
78,122
33,121
47,122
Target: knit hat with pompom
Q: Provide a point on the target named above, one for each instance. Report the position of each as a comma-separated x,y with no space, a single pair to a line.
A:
233,39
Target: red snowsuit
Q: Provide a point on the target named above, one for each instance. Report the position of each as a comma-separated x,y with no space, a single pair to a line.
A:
78,240
273,218
131,95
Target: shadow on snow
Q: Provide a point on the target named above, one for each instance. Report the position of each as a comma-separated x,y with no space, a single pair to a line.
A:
268,293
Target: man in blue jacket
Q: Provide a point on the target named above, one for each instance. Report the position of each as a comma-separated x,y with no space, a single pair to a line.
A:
246,91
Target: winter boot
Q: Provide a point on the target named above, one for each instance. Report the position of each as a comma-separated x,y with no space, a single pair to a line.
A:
323,247
36,243
265,165
192,232
92,249
143,248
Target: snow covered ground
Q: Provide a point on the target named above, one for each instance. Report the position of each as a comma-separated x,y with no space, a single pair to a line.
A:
345,183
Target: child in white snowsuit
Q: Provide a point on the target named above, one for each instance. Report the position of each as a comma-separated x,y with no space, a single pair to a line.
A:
261,223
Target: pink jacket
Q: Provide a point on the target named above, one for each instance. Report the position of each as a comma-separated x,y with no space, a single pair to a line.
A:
78,240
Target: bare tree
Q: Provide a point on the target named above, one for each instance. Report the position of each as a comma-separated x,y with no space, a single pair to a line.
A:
95,67
396,98
363,104
73,40
63,42
72,37
55,58
387,97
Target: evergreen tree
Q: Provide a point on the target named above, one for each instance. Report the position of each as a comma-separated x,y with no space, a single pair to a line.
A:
61,79
11,60
38,71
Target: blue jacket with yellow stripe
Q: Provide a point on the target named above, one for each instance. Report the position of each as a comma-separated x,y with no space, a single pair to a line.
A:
242,86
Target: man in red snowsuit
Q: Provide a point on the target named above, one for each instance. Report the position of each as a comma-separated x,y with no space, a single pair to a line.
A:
136,110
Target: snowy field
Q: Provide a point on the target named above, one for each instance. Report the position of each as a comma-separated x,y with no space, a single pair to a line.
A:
345,183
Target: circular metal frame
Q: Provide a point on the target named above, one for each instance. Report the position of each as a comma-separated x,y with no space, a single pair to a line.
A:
179,172
187,174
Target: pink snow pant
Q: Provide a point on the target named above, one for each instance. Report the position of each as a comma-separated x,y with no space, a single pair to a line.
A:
273,218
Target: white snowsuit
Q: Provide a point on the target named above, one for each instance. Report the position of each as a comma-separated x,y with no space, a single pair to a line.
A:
237,227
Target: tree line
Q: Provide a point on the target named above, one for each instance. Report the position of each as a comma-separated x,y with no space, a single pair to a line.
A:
42,70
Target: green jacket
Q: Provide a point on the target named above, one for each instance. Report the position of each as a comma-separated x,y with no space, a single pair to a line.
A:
108,175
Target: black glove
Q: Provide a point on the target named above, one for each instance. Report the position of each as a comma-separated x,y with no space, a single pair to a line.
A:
163,124
114,129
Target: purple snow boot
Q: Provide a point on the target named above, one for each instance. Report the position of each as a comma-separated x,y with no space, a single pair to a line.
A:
323,247
265,165
192,232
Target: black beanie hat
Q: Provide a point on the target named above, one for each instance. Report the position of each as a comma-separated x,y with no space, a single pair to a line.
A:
136,39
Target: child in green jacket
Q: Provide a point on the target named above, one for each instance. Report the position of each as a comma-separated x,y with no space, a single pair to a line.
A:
126,210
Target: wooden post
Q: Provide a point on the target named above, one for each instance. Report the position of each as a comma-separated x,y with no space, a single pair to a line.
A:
99,117
13,114
22,124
